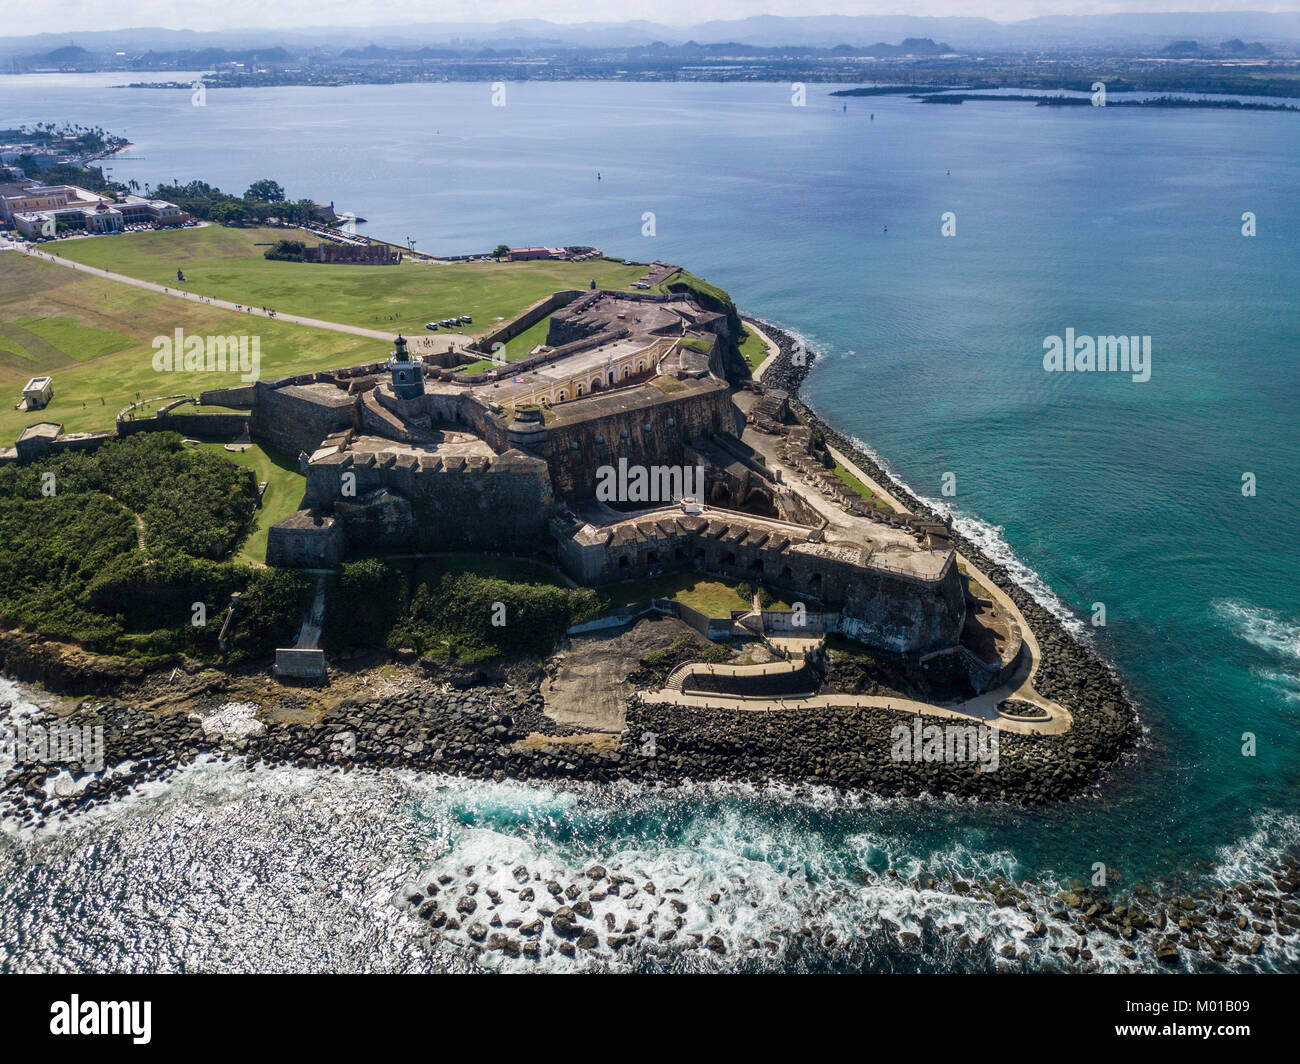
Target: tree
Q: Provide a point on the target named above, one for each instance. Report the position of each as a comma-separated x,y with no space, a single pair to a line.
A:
266,190
502,250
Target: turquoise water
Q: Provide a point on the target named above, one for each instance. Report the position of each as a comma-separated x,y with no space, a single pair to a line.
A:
1099,488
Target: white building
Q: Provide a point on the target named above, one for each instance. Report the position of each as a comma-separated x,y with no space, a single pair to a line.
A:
38,392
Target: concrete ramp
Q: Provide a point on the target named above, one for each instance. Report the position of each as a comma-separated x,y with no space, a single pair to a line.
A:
305,660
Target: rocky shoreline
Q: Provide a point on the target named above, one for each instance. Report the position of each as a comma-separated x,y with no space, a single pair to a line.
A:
495,915
1106,725
492,920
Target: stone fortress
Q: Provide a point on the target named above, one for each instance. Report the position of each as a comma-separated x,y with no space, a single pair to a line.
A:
410,456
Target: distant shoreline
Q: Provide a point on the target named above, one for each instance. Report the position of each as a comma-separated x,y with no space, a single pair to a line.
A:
1174,93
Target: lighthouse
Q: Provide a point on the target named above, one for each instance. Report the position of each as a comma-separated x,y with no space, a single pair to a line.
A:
407,371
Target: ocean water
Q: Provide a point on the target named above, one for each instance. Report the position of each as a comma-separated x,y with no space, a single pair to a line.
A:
1096,489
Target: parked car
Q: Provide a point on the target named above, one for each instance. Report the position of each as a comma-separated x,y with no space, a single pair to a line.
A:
466,319
431,325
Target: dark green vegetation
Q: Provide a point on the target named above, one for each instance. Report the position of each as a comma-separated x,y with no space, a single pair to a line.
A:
85,142
1077,74
210,203
1083,101
467,612
285,251
707,295
69,138
116,548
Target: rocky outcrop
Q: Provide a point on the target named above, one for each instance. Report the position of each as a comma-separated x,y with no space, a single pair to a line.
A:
63,668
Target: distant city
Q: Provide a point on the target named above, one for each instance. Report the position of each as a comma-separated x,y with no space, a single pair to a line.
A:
1254,54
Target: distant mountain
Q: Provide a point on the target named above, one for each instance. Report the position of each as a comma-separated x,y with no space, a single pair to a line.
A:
69,57
1235,49
1062,32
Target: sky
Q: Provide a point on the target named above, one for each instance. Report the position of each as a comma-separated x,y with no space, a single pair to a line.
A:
22,17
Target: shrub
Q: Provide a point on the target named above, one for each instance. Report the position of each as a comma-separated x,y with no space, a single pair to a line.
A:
71,565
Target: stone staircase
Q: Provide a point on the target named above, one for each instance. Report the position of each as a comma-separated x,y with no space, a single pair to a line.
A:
678,676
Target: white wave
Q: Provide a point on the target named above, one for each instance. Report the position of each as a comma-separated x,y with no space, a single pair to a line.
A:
1264,628
231,720
1275,635
991,542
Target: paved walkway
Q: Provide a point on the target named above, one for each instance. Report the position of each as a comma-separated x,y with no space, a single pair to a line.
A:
965,712
982,708
1021,684
240,308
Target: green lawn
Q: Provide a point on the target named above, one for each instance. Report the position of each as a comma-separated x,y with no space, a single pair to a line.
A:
228,264
518,347
853,482
284,491
753,349
709,595
79,342
89,388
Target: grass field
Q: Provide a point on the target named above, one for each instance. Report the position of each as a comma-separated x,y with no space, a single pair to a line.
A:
853,482
518,347
709,595
284,490
753,350
228,264
95,337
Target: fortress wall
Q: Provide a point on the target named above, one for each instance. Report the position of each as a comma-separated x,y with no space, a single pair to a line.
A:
204,424
306,540
67,441
576,452
294,422
525,321
240,398
877,608
369,369
501,503
566,328
901,615
545,358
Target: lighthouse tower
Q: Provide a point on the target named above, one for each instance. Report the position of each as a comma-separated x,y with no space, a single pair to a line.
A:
407,371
